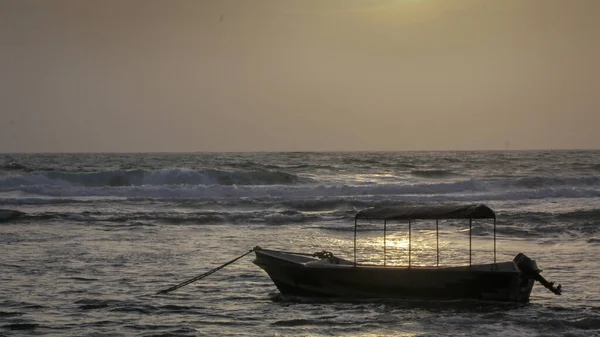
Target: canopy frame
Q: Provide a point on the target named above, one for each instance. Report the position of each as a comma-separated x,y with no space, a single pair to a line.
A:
419,212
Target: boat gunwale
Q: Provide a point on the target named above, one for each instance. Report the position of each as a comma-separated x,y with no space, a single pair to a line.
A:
281,255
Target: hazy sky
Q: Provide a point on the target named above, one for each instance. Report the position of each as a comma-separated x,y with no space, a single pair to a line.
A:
279,75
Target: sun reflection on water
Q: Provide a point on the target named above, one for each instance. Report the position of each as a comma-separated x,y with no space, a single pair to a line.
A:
452,243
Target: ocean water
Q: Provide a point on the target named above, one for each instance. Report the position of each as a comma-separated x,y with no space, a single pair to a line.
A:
95,236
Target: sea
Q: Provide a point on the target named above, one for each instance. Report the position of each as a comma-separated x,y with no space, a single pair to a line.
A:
87,240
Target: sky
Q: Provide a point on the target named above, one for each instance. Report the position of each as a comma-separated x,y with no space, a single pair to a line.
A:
298,75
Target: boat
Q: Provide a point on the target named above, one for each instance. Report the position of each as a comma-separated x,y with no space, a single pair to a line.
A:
325,275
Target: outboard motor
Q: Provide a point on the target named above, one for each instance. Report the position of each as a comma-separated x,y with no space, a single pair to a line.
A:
529,268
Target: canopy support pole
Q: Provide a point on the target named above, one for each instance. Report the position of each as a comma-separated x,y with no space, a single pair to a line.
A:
409,243
494,240
355,224
470,234
384,242
437,241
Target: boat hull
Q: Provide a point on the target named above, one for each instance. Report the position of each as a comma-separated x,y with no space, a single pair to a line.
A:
300,276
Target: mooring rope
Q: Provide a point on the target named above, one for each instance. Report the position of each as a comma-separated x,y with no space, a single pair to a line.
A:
199,277
322,254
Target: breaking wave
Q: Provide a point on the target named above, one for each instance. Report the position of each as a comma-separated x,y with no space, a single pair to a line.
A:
244,191
174,176
465,190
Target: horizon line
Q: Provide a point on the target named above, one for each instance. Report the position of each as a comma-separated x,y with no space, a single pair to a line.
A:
297,151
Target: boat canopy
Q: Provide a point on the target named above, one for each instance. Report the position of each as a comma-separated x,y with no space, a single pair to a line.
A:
430,212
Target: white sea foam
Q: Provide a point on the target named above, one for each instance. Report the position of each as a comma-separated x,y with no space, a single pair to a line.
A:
420,182
239,191
465,190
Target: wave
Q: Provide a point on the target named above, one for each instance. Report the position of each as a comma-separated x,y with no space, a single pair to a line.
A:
245,191
144,219
433,173
13,166
523,225
21,326
357,161
9,214
320,205
544,181
307,196
305,166
173,176
51,201
591,214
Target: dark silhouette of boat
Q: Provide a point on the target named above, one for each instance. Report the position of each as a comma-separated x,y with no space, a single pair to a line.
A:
325,275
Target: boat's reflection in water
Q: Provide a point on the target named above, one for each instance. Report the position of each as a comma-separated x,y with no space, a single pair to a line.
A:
445,306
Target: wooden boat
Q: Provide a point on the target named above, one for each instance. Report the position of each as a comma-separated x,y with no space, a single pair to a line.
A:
323,274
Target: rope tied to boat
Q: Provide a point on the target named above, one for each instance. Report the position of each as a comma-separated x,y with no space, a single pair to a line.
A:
201,276
323,254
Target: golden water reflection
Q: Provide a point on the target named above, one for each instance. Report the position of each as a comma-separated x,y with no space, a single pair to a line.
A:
453,248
